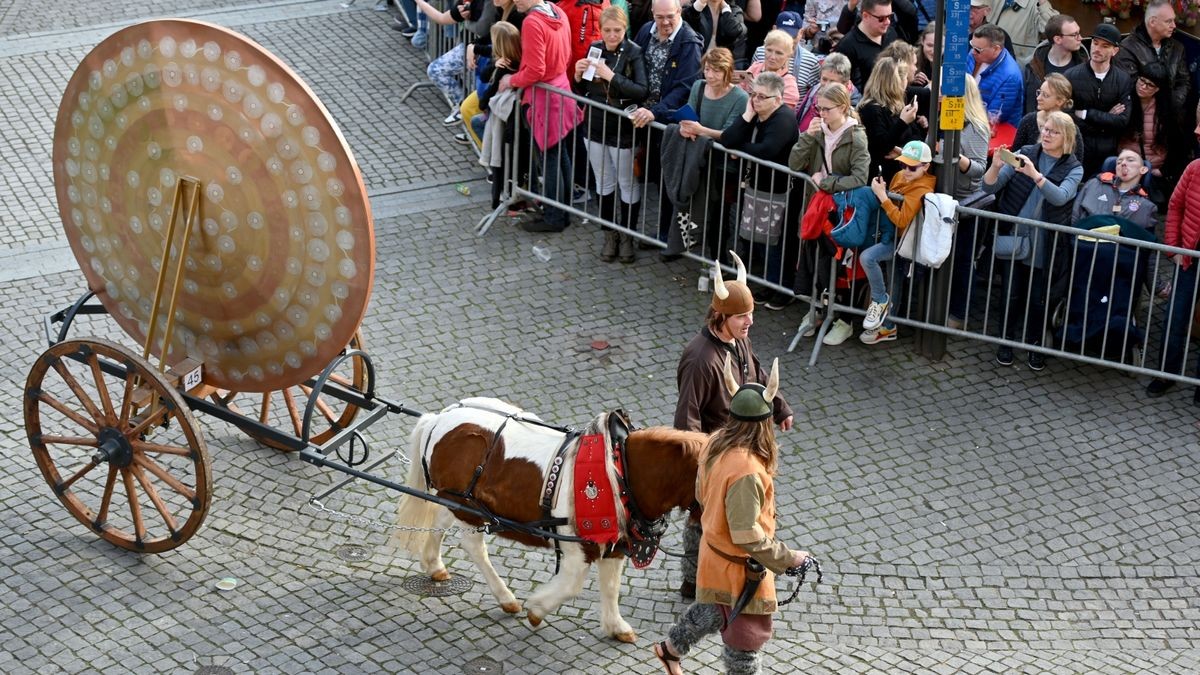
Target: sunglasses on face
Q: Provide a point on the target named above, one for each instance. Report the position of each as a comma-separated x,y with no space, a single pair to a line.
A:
1149,84
887,18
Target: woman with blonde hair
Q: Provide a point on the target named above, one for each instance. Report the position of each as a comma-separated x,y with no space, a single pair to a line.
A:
886,116
1054,94
777,49
618,80
833,151
971,163
1041,186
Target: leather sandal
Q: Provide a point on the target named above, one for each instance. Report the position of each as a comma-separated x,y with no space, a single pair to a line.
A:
666,657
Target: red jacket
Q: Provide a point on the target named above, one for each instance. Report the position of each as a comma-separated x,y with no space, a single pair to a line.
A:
584,19
1183,212
545,49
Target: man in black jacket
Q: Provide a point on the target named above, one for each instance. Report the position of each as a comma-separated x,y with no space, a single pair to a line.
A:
864,41
1059,52
1152,41
1101,94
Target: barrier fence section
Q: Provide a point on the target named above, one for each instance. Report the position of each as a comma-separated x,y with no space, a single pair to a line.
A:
1090,296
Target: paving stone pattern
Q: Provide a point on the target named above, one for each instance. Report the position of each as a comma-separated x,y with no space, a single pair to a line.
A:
970,518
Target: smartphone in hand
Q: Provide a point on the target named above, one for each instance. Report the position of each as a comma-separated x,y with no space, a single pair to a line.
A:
1009,158
593,57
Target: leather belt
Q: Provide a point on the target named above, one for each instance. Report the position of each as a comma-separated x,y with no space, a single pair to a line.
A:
755,573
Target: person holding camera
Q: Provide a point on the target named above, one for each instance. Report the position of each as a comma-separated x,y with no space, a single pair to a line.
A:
1037,182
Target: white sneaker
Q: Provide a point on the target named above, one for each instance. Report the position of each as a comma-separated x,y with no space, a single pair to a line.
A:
808,326
453,118
876,312
838,333
872,337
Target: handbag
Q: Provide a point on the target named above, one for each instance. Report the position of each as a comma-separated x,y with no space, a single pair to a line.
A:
762,217
1011,247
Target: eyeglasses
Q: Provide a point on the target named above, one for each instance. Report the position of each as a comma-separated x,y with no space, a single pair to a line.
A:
1049,131
1149,84
980,50
763,97
881,19
826,108
665,17
1072,35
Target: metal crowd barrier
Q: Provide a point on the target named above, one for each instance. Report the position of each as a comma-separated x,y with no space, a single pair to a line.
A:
1094,312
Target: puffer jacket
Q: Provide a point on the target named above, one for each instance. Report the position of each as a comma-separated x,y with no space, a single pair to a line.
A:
851,160
1183,213
1137,50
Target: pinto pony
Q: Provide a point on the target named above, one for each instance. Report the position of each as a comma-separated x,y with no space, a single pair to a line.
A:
493,457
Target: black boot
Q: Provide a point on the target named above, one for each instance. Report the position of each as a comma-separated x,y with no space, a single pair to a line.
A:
608,208
628,218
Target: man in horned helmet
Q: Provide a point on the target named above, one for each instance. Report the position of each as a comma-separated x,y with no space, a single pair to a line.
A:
735,485
703,399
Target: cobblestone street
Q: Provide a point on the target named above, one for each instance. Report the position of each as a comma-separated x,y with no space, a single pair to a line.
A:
969,518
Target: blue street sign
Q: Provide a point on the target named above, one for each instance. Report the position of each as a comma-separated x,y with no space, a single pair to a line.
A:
958,43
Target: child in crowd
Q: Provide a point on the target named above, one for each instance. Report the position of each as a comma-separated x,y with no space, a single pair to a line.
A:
913,183
506,58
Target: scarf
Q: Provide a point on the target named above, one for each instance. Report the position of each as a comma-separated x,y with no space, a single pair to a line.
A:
832,137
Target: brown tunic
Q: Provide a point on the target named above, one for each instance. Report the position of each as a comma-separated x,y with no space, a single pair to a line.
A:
703,399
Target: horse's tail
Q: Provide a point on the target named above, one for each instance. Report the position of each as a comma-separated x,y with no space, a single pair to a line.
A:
414,512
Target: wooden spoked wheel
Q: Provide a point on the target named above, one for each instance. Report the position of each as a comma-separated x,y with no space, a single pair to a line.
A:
117,444
284,408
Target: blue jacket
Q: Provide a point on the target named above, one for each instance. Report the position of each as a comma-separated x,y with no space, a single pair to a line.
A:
1002,86
683,67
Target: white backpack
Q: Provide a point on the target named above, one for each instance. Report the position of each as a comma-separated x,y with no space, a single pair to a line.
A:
934,226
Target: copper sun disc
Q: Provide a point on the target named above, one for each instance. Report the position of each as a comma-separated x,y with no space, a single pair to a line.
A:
279,266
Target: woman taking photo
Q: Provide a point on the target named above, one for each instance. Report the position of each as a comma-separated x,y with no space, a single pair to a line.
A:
1053,95
618,80
888,119
766,130
833,151
778,47
1155,132
718,104
972,162
1042,187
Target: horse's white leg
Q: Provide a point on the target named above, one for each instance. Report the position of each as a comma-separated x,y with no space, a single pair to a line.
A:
431,555
610,591
562,587
475,546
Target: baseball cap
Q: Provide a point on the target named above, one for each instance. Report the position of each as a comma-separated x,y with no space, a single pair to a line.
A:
1107,32
914,153
789,22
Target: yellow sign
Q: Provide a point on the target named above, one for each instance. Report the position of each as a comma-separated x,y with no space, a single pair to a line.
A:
951,117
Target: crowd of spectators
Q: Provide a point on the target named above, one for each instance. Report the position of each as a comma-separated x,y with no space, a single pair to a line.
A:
839,90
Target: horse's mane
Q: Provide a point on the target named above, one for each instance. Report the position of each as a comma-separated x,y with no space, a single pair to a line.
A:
692,442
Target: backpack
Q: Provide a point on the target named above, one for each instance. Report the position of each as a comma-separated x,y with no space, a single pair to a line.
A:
583,18
934,226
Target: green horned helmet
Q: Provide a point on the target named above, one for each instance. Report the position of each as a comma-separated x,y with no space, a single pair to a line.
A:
751,402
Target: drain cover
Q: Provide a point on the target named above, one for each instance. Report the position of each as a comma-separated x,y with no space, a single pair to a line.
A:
426,587
353,553
214,670
483,664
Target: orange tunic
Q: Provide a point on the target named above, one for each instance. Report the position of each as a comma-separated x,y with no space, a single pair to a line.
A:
738,496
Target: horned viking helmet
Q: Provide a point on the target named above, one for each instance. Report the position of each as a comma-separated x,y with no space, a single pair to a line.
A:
751,402
732,297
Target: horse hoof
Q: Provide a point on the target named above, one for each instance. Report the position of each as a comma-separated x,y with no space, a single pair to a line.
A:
628,638
511,607
440,575
534,620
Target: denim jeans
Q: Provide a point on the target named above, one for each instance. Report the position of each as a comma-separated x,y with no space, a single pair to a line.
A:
556,172
1177,322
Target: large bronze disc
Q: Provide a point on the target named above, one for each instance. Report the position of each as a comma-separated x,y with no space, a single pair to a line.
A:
279,267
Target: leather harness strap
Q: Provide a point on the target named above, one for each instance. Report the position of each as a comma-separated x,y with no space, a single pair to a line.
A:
755,573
